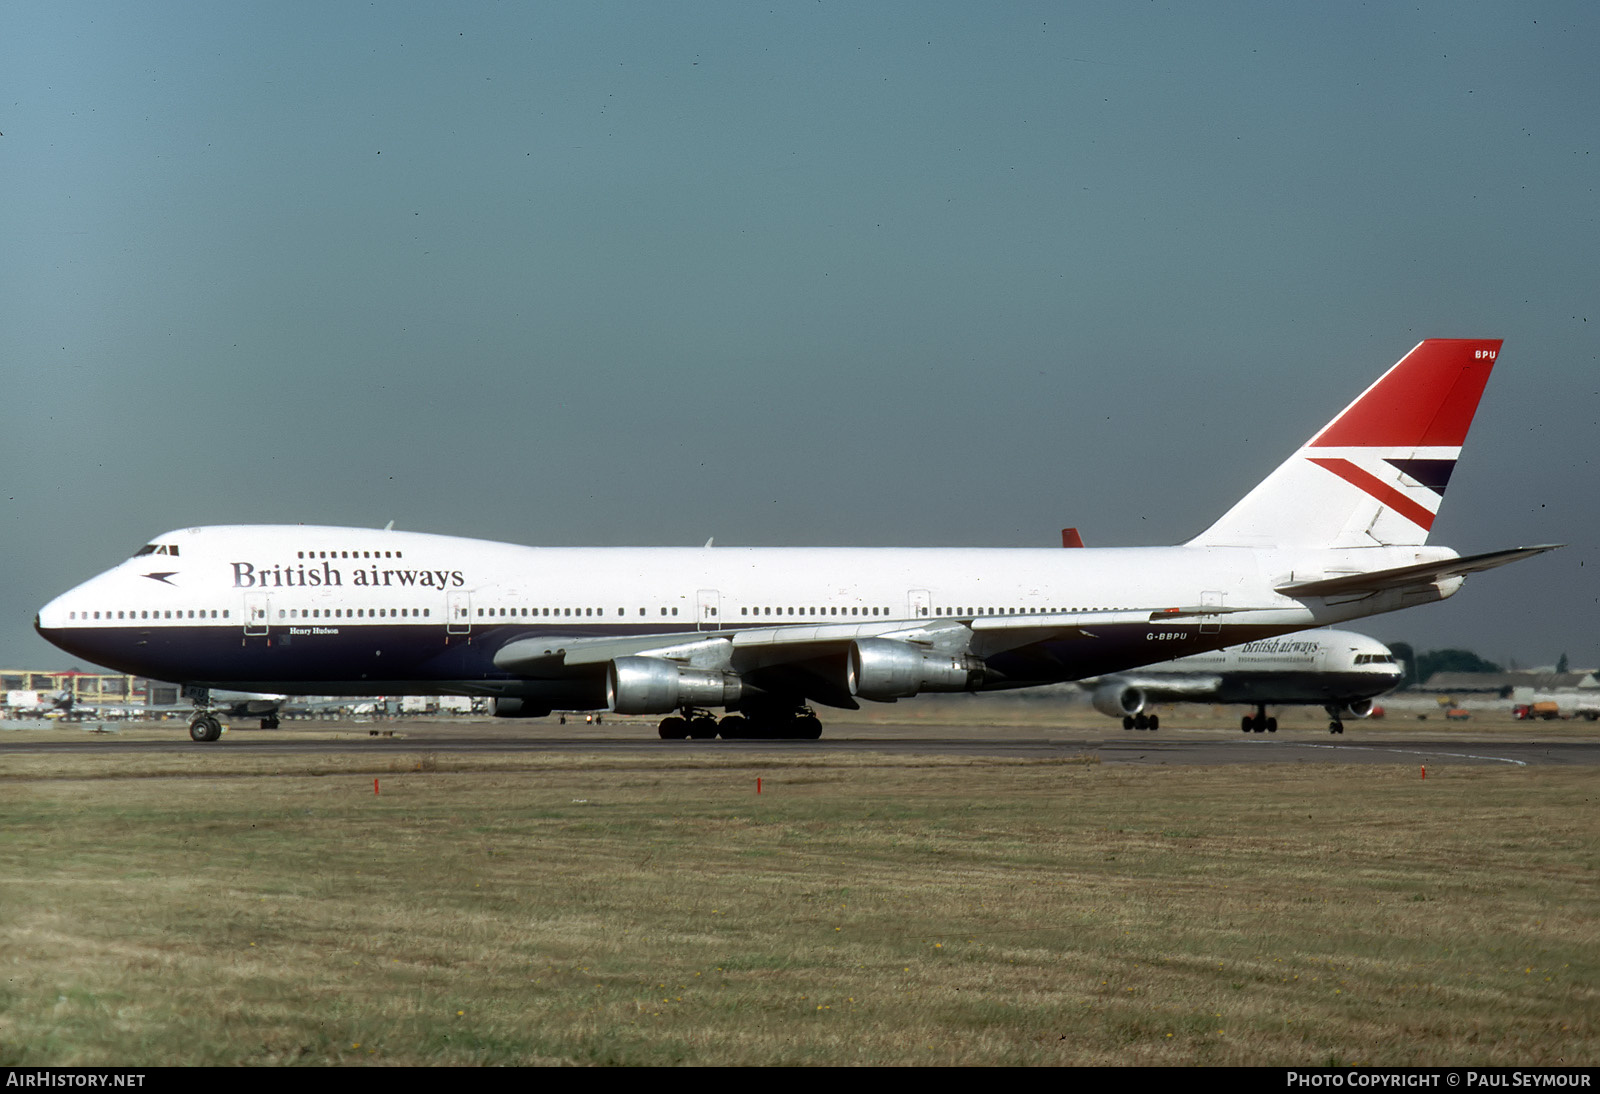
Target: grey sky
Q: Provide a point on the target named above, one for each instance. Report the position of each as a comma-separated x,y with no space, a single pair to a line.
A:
884,274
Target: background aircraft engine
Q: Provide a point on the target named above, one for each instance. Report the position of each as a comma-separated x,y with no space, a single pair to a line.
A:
519,708
653,685
1118,700
883,669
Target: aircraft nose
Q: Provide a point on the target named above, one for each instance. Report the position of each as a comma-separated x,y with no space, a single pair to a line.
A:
50,617
50,621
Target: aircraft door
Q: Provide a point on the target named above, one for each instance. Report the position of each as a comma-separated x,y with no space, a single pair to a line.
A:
257,614
1210,624
458,613
708,610
920,602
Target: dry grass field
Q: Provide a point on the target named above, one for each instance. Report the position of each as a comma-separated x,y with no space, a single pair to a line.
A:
214,908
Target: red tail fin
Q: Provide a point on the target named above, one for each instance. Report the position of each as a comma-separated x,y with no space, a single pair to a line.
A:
1376,474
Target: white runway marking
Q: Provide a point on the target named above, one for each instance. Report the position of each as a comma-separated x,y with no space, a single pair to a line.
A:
1405,752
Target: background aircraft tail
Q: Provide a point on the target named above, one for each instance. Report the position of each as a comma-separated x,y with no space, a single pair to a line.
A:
1376,474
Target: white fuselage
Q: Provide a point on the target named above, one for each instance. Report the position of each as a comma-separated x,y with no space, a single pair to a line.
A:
318,610
1337,669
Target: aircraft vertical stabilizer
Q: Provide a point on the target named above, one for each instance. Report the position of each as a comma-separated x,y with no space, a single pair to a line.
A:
1376,474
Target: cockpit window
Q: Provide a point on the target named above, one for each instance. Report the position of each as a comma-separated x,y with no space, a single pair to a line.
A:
156,549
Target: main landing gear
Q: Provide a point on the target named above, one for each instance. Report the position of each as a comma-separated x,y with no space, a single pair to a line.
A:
1141,721
800,724
1259,722
205,728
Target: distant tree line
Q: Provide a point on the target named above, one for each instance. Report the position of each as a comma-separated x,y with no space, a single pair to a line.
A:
1420,666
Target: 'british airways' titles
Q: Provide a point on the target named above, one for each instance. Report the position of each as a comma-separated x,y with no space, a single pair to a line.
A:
248,576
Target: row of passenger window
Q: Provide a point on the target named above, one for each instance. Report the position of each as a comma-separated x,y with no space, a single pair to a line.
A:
523,613
529,613
811,611
958,611
163,614
356,613
766,611
283,613
340,554
943,611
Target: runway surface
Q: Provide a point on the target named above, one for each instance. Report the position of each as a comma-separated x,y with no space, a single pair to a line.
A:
1516,747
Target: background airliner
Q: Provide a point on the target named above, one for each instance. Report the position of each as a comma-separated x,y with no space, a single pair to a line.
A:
1337,670
1336,532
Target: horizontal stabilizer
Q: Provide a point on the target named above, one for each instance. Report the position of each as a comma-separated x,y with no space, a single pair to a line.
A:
1421,574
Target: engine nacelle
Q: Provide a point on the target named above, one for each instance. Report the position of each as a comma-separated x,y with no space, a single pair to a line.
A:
1358,708
519,708
883,669
1116,699
654,685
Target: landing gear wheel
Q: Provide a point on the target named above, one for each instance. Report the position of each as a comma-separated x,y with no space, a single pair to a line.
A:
205,729
1272,725
674,729
1336,726
703,728
807,727
1246,724
735,727
1155,722
1127,721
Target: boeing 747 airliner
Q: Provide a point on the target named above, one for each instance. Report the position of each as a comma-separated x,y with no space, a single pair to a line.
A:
1337,532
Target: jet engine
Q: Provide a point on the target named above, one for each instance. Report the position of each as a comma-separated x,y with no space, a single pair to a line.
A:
883,670
1356,708
654,685
1116,699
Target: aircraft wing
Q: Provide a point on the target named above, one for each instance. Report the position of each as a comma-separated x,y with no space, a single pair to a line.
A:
750,647
1423,573
1168,688
755,647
